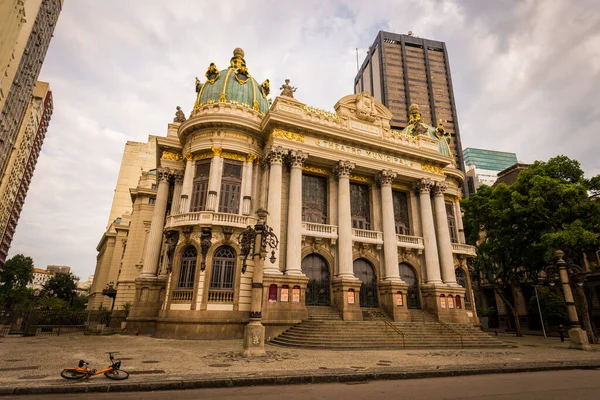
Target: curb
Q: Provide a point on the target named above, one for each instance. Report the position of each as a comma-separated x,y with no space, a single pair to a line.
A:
299,378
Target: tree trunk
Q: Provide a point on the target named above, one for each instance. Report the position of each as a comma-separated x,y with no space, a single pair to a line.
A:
585,313
511,310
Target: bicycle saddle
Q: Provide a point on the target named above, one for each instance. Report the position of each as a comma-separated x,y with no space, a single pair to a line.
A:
81,363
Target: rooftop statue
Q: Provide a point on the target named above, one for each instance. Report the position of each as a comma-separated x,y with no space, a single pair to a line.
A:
287,89
417,127
265,88
179,115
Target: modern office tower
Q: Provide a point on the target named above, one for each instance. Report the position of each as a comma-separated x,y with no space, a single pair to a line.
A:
26,27
483,166
400,70
21,163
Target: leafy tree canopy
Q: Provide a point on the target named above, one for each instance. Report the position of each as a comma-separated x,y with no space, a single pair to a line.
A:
14,277
62,285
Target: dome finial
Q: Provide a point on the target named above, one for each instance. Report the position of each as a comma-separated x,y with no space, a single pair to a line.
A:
238,52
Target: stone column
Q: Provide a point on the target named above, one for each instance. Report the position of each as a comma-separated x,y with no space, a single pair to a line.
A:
390,243
294,227
214,180
188,183
459,222
342,170
274,157
431,253
415,227
443,235
155,235
247,185
177,189
264,183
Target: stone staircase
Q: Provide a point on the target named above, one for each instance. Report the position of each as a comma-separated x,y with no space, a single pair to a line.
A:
325,330
421,316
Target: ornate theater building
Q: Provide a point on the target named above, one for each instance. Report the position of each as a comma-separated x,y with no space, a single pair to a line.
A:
365,217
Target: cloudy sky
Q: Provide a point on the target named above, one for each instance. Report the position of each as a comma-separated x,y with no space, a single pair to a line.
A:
526,76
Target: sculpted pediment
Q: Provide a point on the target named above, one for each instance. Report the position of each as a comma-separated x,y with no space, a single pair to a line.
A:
364,107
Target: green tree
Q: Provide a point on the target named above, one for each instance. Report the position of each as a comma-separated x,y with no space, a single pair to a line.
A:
63,285
14,277
553,306
516,228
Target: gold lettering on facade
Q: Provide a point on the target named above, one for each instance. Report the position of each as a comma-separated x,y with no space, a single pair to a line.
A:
288,135
433,169
363,153
167,155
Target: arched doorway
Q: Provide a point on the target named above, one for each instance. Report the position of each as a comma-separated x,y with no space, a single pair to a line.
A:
317,290
363,270
408,275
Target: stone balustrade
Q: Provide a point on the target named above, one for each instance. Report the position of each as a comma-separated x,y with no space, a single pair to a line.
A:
320,230
366,236
209,218
410,242
182,296
465,249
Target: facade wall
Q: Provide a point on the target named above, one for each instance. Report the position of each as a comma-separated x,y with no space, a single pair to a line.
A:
21,164
25,77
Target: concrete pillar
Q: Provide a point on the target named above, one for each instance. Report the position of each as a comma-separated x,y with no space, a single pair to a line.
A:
177,189
188,183
459,222
247,185
155,235
214,180
390,243
432,262
342,170
294,227
274,157
443,235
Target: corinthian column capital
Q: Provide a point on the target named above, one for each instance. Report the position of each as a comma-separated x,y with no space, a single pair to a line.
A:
440,188
178,176
386,177
424,185
297,158
163,174
343,169
275,155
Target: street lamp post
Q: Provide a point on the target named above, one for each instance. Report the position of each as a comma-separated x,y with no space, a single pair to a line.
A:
558,271
254,243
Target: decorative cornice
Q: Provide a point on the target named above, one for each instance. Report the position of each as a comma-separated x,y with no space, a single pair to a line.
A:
275,154
297,158
288,135
386,177
343,169
167,155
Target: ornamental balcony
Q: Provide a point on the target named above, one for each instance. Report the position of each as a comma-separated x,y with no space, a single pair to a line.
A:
464,249
311,229
410,242
365,236
207,218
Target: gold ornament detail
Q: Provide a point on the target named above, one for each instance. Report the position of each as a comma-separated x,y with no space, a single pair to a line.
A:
188,156
203,156
212,73
400,186
217,151
316,170
233,156
167,155
450,198
360,178
433,169
288,135
251,157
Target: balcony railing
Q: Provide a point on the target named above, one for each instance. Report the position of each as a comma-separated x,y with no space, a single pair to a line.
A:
410,242
220,296
319,230
209,218
182,296
465,249
365,236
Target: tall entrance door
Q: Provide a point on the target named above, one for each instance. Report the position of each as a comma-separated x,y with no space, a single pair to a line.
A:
407,274
317,290
363,270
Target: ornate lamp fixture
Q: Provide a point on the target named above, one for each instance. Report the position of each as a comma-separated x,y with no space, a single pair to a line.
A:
110,292
254,241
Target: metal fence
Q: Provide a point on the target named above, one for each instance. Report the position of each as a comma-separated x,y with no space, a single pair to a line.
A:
60,322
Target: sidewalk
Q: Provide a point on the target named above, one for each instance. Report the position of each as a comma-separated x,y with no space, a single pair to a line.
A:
33,364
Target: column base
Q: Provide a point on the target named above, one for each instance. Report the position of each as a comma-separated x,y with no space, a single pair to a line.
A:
272,271
392,297
254,340
294,272
578,339
444,309
347,304
149,296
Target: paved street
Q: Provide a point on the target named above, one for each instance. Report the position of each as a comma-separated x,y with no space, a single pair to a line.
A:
575,384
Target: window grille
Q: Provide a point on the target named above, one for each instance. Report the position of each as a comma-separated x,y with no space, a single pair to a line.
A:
223,269
231,184
314,199
187,269
200,187
360,207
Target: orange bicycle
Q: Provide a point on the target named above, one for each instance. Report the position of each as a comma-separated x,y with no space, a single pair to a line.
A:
83,370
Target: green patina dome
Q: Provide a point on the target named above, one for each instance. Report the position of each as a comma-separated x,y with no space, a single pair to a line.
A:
234,85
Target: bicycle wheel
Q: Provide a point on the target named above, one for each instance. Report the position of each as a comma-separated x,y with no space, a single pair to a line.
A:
72,373
117,374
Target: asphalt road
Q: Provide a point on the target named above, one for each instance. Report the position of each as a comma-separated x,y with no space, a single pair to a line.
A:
574,384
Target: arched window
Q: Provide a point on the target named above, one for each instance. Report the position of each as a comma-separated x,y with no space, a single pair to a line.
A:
187,268
223,269
200,186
